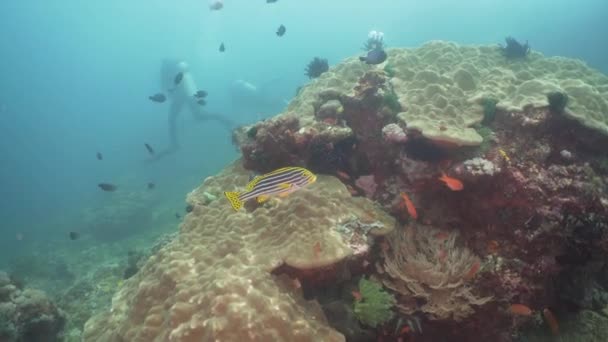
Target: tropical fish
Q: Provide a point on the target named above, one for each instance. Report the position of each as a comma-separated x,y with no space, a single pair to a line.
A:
442,236
271,1
442,255
200,94
178,216
216,5
492,247
343,175
160,98
279,182
107,187
222,47
551,321
473,271
281,30
178,78
149,148
521,310
201,102
74,235
99,156
316,249
357,295
375,56
452,183
410,206
504,155
151,186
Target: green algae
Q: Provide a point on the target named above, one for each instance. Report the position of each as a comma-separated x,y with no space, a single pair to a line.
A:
375,305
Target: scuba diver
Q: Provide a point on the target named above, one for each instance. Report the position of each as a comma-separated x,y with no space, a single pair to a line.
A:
176,79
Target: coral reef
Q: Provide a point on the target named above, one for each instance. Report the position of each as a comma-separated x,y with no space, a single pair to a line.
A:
515,49
528,226
28,314
316,67
214,281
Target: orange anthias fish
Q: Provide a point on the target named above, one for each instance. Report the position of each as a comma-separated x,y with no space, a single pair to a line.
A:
492,247
316,249
521,310
442,236
343,175
452,183
473,271
551,321
410,206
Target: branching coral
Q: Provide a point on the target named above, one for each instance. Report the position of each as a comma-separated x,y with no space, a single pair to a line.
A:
515,49
426,264
316,67
375,305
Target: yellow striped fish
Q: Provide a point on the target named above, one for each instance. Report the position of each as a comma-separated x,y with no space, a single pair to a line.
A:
279,182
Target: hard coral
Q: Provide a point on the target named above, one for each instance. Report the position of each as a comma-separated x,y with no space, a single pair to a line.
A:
28,315
316,67
214,281
515,49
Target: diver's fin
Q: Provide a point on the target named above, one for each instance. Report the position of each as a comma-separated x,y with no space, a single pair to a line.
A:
233,198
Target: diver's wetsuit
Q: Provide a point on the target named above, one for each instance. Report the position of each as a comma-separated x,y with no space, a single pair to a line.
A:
181,95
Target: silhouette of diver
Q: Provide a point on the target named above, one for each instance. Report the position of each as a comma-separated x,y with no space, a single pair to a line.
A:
178,82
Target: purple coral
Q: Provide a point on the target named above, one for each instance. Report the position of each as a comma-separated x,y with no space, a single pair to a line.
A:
394,134
367,184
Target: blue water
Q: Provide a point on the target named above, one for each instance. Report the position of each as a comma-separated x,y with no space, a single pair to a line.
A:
76,76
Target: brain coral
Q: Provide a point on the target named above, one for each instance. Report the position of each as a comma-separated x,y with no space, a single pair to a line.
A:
442,83
213,282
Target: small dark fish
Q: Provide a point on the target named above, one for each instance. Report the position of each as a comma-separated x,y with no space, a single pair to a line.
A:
178,78
178,216
222,47
201,102
151,185
271,1
281,31
99,156
107,187
200,94
74,236
189,208
149,148
160,98
375,56
216,5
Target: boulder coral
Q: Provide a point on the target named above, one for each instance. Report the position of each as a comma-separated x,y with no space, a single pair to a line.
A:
529,224
214,281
